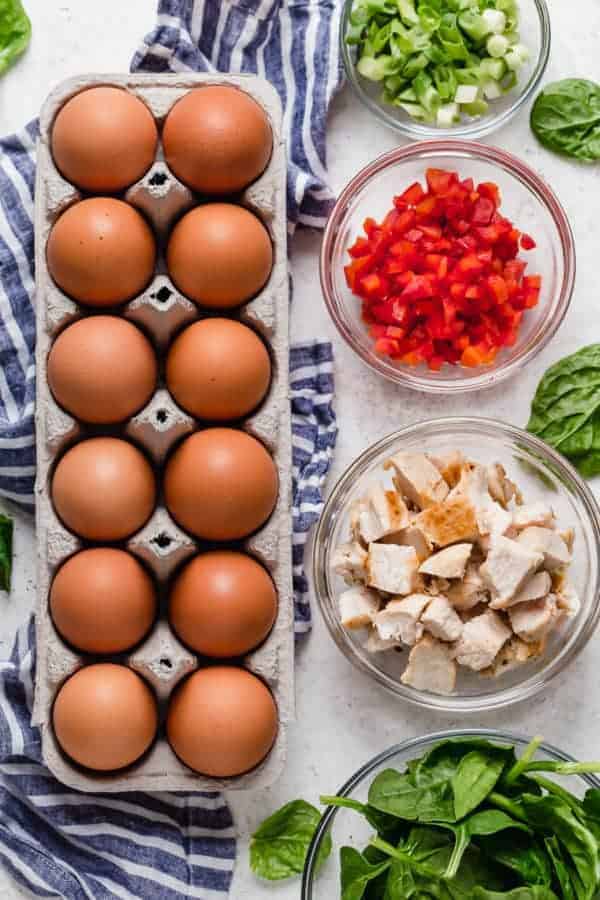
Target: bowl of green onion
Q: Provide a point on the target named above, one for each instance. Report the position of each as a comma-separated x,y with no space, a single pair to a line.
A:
434,68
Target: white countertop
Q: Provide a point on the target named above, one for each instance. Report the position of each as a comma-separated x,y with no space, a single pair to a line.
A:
342,718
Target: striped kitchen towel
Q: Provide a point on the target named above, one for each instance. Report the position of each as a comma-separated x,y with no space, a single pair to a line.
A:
54,841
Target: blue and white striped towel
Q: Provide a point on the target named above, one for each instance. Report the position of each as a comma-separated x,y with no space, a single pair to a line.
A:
54,841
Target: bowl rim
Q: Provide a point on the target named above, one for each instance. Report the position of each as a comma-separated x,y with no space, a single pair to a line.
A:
410,744
455,703
426,150
477,128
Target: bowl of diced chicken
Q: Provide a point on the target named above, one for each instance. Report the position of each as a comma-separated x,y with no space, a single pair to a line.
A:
456,562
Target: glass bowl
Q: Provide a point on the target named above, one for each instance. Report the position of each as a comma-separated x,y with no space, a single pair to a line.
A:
543,475
527,200
348,828
535,34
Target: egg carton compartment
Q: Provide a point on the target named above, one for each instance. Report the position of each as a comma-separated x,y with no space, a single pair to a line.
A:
161,311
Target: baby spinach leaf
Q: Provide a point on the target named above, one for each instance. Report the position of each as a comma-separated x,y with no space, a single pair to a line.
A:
519,853
279,846
15,32
399,796
534,892
564,875
357,872
552,816
475,777
565,118
6,550
482,824
565,411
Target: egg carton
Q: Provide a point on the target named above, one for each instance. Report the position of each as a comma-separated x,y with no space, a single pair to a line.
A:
162,311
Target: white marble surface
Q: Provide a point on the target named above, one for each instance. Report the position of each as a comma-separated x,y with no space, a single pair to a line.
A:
343,719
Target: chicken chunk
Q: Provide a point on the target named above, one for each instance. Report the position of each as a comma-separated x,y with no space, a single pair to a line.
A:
448,563
416,477
508,565
536,586
411,537
449,522
358,606
491,517
399,620
381,513
568,536
430,667
450,466
534,620
500,487
374,643
470,591
441,620
547,542
514,654
350,561
482,639
392,568
533,514
568,599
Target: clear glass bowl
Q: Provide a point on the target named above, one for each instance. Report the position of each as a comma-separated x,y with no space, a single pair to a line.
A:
535,34
348,828
543,475
527,200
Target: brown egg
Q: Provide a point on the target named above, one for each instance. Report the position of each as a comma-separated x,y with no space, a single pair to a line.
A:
223,604
103,601
220,255
217,139
102,369
103,489
218,369
222,721
105,717
101,252
220,484
104,139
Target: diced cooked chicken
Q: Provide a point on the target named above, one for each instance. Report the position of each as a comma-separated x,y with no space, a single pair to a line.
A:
548,543
381,513
416,477
350,561
430,667
507,567
500,487
358,606
411,537
374,643
448,563
449,522
441,620
491,517
536,586
469,591
392,568
533,514
450,466
534,620
515,653
568,599
482,639
399,620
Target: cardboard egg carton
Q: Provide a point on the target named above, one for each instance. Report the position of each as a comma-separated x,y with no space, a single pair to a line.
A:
162,311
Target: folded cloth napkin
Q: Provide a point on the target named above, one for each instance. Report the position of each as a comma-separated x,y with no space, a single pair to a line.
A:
54,841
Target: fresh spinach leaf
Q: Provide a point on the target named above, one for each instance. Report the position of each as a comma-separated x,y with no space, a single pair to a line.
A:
482,824
279,846
519,853
562,871
553,817
566,118
398,795
565,411
476,775
534,892
357,872
15,32
6,550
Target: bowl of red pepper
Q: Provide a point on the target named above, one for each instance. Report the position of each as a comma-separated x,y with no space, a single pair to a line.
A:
447,265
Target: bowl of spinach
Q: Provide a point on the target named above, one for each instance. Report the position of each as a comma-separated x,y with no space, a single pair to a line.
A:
461,815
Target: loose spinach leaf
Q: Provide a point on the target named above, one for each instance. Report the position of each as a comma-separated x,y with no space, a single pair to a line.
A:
553,817
566,118
519,853
6,548
563,872
15,32
565,411
357,872
534,892
445,785
279,846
